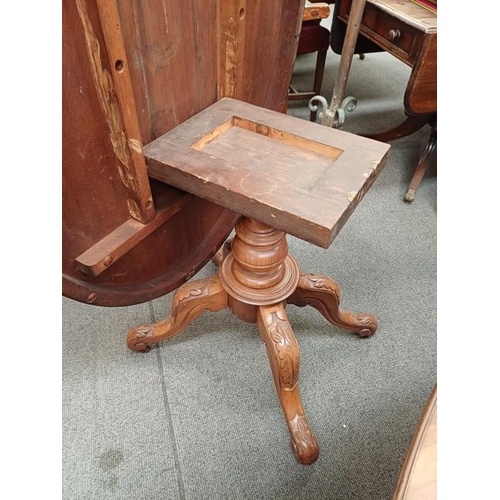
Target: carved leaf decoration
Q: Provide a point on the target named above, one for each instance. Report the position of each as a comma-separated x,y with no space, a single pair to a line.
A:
324,283
304,438
189,292
283,333
142,331
283,348
280,313
303,428
286,371
282,330
288,362
277,338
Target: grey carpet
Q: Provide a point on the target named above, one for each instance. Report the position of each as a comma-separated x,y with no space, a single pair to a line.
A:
198,416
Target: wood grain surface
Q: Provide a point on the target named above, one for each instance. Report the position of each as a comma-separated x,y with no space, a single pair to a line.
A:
170,57
300,177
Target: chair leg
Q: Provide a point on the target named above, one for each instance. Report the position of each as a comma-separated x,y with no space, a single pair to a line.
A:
422,166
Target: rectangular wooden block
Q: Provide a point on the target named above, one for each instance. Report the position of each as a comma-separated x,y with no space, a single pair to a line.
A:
297,176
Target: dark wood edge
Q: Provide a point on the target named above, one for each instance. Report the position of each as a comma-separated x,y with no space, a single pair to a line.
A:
412,105
407,127
136,293
139,197
116,244
415,446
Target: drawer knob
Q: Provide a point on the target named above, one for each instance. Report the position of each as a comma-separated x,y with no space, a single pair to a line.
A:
393,35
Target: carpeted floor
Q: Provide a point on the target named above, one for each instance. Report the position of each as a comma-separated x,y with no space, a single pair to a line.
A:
198,416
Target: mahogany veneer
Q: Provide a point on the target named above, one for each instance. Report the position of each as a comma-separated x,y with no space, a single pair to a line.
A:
283,175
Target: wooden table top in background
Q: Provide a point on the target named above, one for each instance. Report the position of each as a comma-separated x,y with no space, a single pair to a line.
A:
410,13
418,477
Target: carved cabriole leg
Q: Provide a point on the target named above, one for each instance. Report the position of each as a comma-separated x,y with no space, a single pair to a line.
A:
322,293
284,358
190,300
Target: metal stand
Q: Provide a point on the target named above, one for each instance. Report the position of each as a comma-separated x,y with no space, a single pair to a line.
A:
334,115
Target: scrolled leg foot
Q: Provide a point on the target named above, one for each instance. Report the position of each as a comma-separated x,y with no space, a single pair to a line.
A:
137,338
190,300
284,358
322,293
304,444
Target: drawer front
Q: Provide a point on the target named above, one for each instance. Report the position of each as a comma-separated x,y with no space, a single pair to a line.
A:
387,31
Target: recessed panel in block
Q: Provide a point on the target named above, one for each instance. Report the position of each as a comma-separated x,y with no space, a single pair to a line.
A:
297,176
259,148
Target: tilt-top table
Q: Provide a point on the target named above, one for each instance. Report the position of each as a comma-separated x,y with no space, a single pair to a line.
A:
283,175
